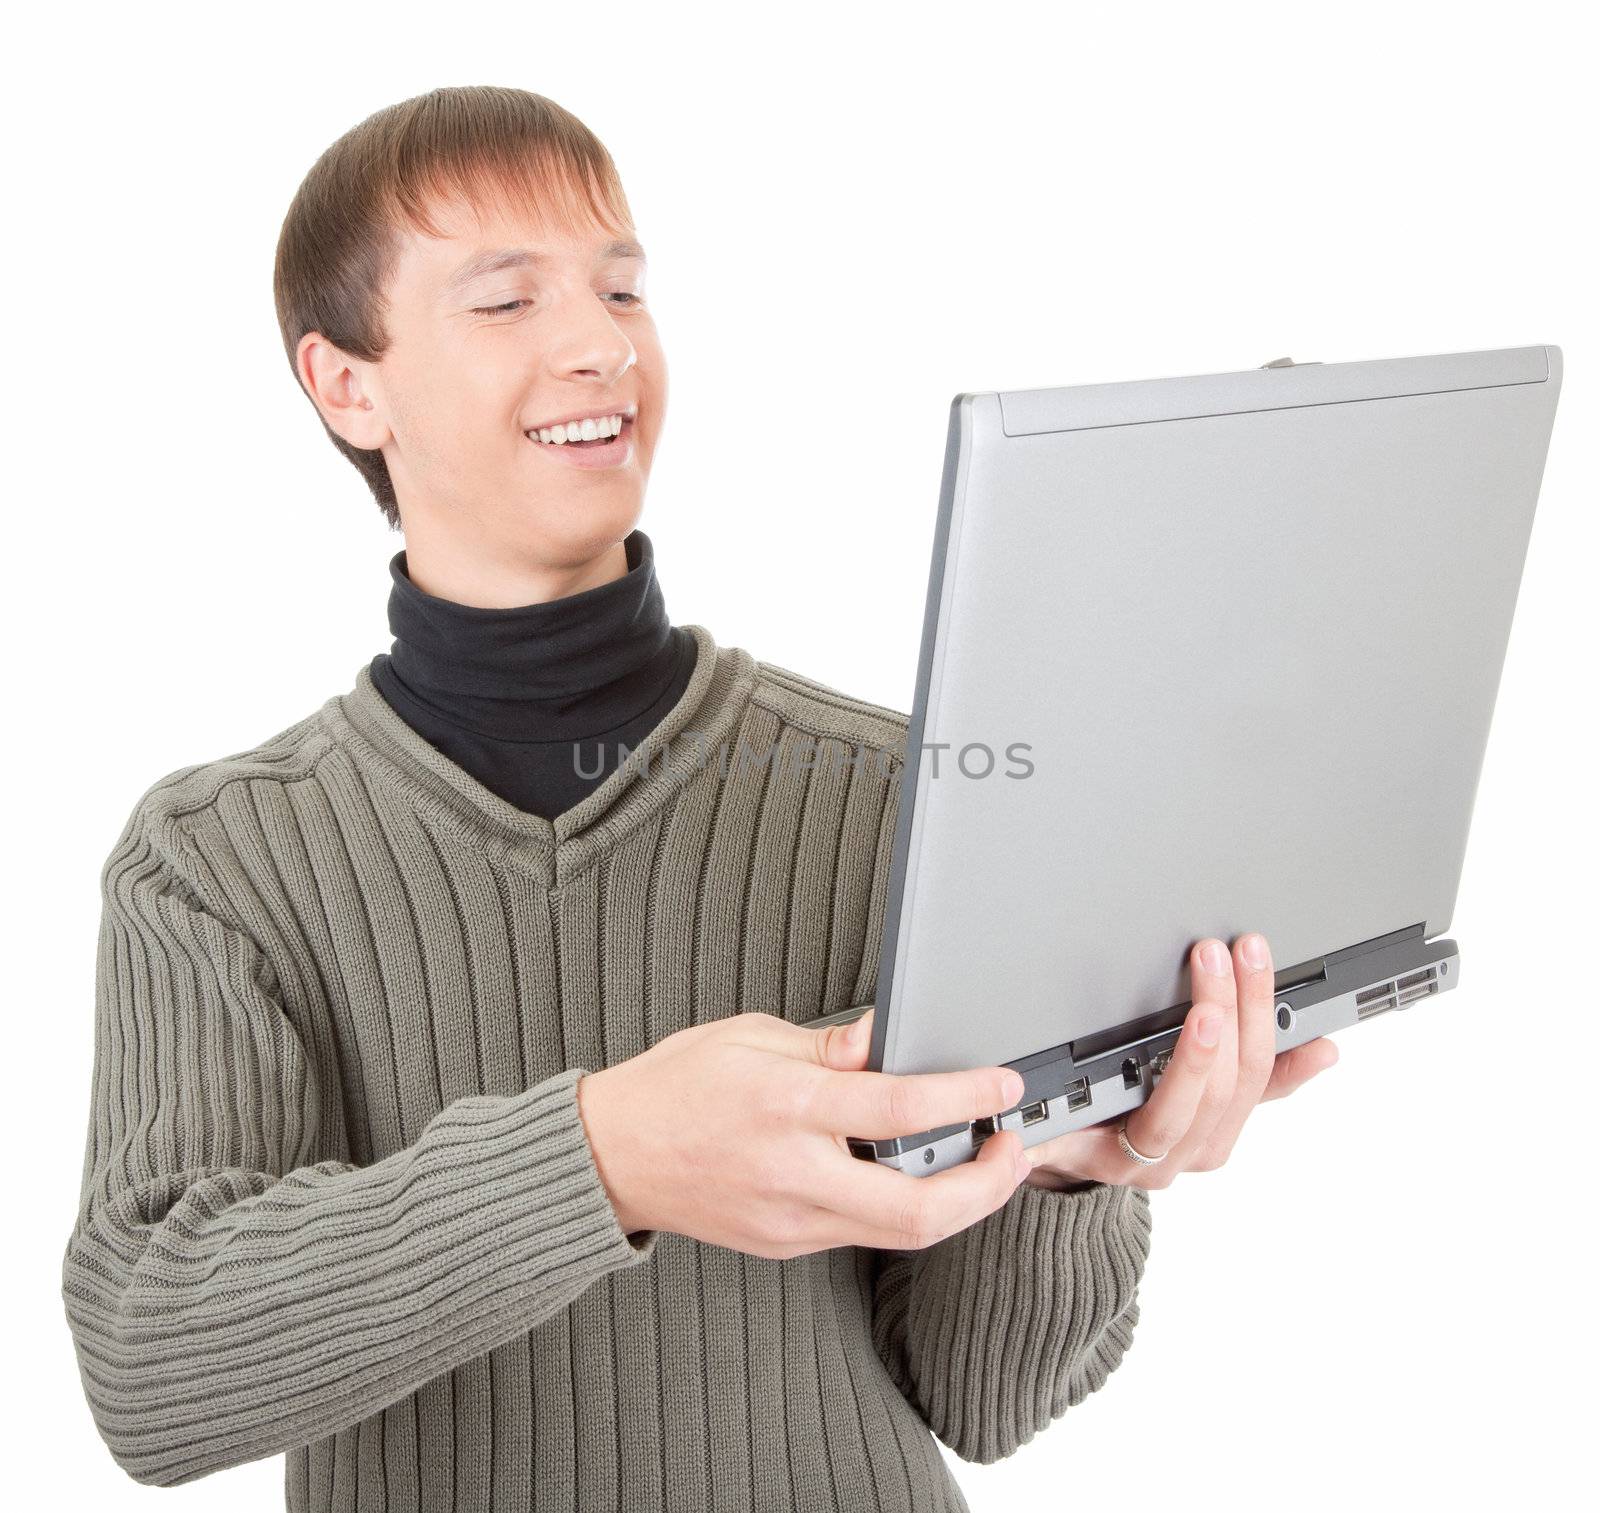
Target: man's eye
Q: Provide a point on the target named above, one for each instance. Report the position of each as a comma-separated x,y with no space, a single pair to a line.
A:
512,304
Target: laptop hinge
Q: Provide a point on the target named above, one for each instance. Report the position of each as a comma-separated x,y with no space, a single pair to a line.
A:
1377,943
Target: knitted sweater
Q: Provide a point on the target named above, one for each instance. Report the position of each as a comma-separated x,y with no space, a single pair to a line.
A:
338,1202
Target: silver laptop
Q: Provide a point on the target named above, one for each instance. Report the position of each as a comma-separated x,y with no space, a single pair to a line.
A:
1201,656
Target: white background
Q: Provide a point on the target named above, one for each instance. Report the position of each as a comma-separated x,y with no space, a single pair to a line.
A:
851,214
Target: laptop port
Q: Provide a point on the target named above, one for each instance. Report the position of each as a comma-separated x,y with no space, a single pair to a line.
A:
1035,1113
1078,1094
1130,1072
984,1127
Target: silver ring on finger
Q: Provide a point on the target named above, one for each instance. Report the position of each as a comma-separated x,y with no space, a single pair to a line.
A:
1130,1152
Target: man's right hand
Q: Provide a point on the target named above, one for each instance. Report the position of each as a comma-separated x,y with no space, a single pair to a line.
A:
734,1132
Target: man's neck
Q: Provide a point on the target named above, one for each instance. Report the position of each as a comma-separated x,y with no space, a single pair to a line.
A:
449,568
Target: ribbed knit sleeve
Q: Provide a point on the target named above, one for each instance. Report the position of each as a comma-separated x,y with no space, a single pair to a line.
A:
230,1295
1000,1328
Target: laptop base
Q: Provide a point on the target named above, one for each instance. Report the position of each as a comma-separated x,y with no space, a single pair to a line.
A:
1103,1076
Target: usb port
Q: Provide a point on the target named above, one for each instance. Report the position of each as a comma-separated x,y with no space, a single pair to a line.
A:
1035,1113
1078,1094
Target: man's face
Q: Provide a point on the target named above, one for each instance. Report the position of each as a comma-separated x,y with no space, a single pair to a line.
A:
499,329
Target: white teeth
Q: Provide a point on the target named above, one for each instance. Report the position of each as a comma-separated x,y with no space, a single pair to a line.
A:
591,429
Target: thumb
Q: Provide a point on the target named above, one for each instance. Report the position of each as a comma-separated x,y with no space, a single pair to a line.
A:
844,1047
1008,1159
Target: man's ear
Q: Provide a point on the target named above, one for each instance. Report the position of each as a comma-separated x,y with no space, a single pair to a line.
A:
337,384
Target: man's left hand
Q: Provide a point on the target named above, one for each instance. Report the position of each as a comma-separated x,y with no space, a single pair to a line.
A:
1222,1067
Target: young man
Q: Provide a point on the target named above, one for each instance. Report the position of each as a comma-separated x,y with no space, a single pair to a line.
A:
457,1130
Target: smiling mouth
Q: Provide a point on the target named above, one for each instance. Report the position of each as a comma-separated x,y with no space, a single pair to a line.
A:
559,437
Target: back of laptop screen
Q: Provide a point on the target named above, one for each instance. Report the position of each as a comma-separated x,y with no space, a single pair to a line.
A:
1201,676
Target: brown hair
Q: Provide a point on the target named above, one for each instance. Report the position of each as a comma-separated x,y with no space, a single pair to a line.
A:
482,144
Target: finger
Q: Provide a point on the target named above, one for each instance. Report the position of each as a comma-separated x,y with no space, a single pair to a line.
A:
1086,1155
1257,1038
1100,1158
1212,991
1257,1000
879,1105
1295,1068
844,1047
908,1213
1160,1123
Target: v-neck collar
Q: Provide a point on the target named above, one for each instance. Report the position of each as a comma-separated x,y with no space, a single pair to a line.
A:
683,743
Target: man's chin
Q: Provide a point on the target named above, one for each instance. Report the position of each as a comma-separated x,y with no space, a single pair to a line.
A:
577,530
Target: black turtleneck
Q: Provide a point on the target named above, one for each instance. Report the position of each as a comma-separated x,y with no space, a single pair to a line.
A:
540,703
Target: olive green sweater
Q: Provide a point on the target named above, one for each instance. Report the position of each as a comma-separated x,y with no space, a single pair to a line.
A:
338,1203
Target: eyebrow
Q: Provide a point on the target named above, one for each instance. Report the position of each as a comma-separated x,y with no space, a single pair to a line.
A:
522,257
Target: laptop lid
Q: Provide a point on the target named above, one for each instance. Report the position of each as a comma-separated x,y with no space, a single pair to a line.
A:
1200,655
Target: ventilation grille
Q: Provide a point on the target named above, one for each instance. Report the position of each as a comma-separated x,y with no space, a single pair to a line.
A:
1398,993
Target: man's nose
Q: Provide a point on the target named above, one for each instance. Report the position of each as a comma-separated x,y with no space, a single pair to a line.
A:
591,342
